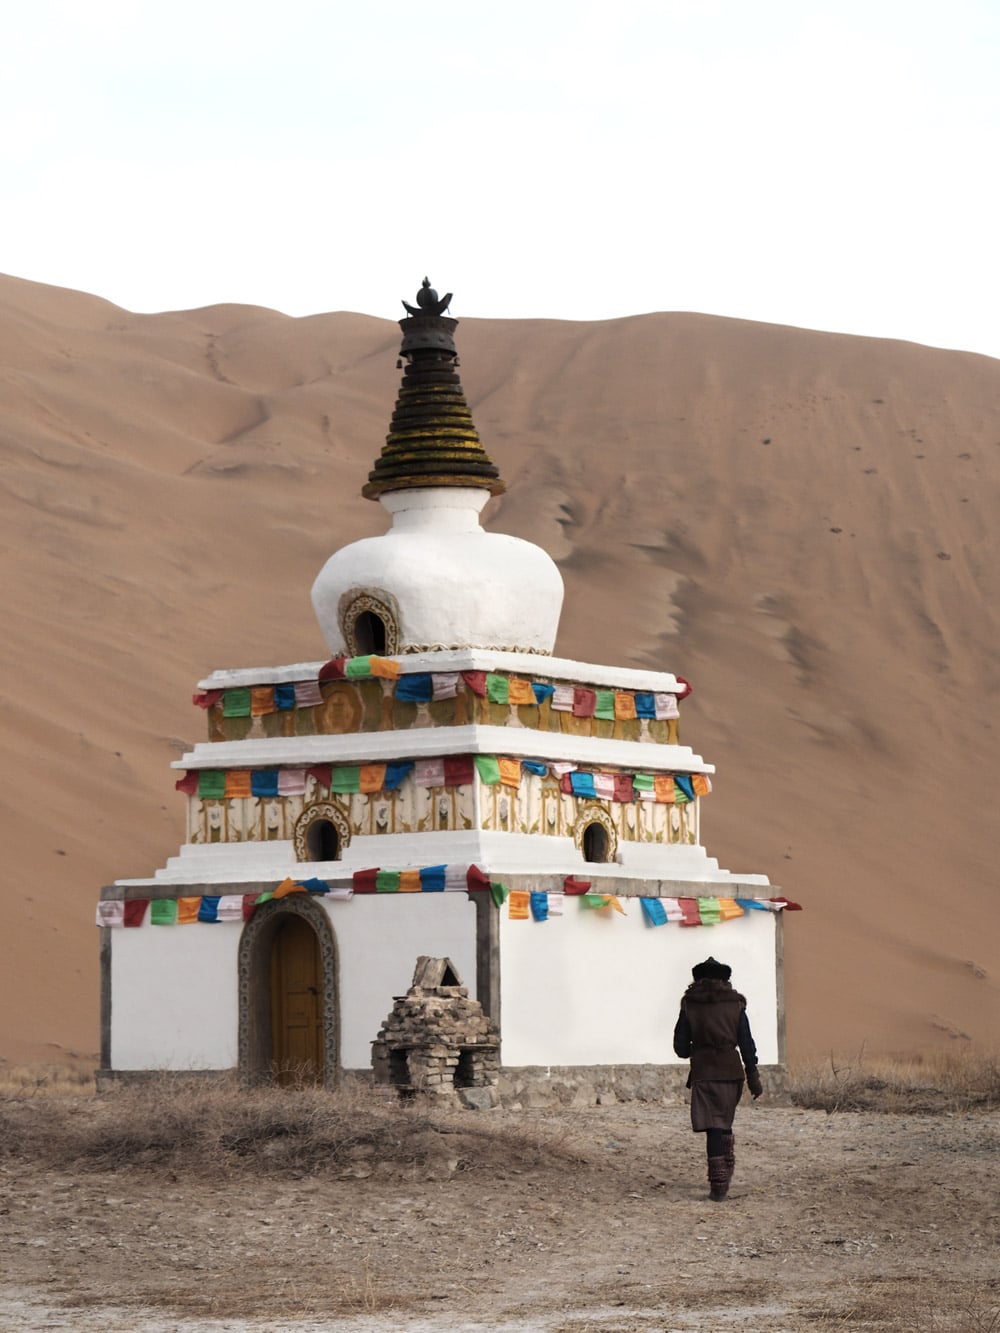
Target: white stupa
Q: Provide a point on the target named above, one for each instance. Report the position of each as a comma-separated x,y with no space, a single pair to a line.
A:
443,786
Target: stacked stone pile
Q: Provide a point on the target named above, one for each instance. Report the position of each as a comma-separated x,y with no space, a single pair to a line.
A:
437,1041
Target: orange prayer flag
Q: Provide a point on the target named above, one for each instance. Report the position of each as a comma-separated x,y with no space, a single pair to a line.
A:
187,910
384,667
701,783
663,788
238,782
261,700
510,771
612,901
624,705
520,692
286,887
409,881
729,909
372,777
519,905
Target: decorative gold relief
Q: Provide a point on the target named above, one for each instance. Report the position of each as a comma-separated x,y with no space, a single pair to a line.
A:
312,823
360,612
591,813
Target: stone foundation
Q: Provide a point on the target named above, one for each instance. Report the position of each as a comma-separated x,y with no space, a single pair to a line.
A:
535,1086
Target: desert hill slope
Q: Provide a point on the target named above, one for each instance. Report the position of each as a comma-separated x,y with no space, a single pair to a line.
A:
803,524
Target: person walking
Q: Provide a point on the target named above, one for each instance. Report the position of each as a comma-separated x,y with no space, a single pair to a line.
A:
713,1032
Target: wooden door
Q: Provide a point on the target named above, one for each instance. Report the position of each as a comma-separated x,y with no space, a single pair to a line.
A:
296,1004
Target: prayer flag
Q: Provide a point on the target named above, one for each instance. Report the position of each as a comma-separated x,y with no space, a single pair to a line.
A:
264,782
342,892
498,893
672,908
314,885
334,669
584,702
643,782
321,773
345,779
249,905
497,689
291,781
542,691
237,783
683,782
284,698
654,911
261,700
518,905
416,688
230,907
459,770
488,769
686,687
624,792
364,880
575,886
665,706
135,911
163,912
456,879
387,881
476,681
432,879
582,784
287,886
211,784
429,773
394,775
208,912
604,705
785,904
110,914
645,704
371,777
409,881
384,668
562,698
594,900
307,693
444,684
236,703
188,783
708,910
358,668
690,916
510,772
535,766
729,909
187,910
624,705
540,906
701,784
520,692
207,700
556,901
752,904
663,786
475,878
604,786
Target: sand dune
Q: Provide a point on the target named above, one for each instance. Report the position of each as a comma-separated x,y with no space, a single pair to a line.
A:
803,524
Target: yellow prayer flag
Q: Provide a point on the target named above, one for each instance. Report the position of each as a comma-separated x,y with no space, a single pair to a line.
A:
261,700
286,887
385,667
519,905
510,771
237,782
187,910
729,909
701,783
372,777
663,789
624,705
612,901
409,881
521,692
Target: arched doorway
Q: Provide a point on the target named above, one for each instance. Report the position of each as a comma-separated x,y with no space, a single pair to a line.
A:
289,1027
296,1003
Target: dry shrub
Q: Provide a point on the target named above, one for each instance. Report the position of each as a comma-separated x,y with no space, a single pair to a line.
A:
941,1080
214,1126
53,1079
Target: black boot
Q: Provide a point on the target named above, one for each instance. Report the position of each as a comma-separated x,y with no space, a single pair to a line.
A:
718,1178
730,1155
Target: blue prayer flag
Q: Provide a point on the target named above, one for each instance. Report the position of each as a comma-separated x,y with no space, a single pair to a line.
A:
654,911
540,906
264,782
542,692
209,908
582,784
535,766
314,885
284,697
683,780
645,705
394,775
432,879
417,689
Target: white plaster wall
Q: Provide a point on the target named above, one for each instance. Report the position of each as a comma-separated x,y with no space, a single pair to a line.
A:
593,987
379,938
174,1002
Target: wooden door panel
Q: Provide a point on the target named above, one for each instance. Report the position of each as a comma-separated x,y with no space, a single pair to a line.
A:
296,1003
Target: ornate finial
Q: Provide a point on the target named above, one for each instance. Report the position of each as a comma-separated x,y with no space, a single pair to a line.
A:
428,301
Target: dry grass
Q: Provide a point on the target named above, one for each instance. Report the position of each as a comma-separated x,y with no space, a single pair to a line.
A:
923,1084
218,1127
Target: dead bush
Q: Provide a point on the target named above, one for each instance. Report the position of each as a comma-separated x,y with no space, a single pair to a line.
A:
923,1084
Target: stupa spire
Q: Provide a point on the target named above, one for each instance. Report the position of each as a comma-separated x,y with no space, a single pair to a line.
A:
432,439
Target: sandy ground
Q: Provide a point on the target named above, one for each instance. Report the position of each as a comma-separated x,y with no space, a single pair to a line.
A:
842,1221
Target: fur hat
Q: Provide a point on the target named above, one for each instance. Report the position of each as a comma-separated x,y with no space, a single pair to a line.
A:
711,970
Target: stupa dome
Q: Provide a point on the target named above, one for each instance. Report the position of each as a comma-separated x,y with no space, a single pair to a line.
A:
436,579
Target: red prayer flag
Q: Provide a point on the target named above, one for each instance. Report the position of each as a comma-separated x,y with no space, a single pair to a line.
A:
565,784
788,905
475,879
476,681
188,783
459,770
624,790
364,880
685,687
135,910
689,907
333,670
249,905
207,700
322,773
584,702
571,885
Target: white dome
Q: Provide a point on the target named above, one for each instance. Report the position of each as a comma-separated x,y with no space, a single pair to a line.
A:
437,580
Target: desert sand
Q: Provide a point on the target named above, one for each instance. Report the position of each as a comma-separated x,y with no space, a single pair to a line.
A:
803,524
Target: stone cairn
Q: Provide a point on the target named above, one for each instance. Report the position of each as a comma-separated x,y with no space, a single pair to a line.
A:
437,1041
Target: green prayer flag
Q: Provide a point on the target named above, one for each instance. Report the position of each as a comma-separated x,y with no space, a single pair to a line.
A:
605,706
346,779
387,881
498,893
236,703
265,897
357,667
211,784
163,912
497,689
642,781
488,768
709,911
592,900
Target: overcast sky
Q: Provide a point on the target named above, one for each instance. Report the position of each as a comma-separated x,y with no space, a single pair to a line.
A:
827,165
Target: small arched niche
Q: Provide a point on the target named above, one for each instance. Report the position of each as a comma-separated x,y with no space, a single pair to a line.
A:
321,833
595,836
369,622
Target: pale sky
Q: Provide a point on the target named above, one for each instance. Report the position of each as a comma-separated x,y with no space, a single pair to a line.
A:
829,165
